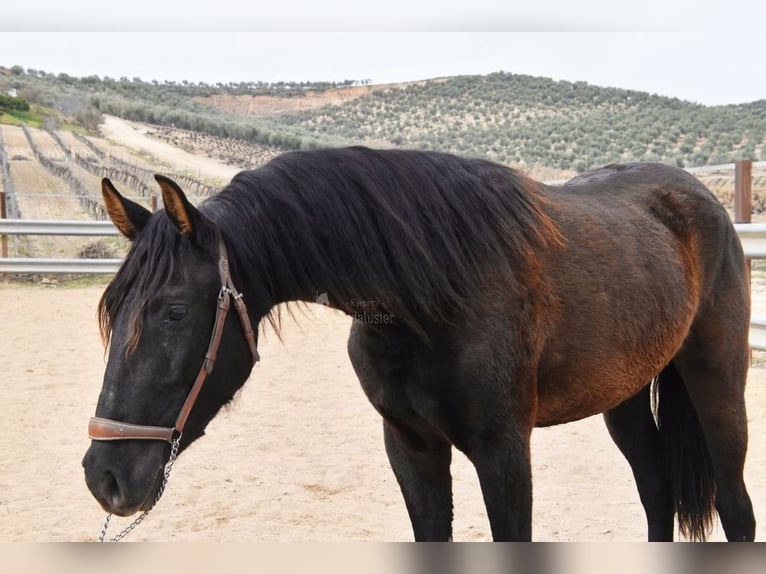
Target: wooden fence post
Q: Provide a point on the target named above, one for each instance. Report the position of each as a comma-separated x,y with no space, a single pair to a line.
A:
743,196
743,191
743,206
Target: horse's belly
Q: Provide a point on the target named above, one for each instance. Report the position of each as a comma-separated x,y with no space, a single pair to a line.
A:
574,383
575,397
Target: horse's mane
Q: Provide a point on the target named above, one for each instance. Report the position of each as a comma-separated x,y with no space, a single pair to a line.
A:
413,231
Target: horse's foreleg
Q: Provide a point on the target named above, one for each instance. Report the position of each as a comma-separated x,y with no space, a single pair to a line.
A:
504,469
423,473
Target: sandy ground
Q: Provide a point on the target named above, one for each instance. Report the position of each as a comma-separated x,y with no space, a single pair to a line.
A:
298,457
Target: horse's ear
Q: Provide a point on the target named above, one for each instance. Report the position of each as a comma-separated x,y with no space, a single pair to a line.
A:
129,217
180,211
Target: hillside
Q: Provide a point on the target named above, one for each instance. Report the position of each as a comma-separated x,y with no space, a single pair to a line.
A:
57,140
523,121
526,121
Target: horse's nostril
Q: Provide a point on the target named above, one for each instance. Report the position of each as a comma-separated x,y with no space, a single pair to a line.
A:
107,490
111,490
110,482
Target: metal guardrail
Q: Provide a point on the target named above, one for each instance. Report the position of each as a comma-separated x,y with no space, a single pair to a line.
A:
56,227
758,332
77,266
752,236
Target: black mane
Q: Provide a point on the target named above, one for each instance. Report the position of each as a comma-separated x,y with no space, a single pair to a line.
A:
412,231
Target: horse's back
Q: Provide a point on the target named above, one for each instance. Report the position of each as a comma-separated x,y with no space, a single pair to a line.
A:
644,201
641,184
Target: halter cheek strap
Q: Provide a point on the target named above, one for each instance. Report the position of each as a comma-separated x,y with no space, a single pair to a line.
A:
107,429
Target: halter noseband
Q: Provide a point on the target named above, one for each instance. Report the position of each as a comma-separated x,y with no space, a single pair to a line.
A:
107,429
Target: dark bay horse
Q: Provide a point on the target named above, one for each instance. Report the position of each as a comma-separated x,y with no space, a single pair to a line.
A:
493,304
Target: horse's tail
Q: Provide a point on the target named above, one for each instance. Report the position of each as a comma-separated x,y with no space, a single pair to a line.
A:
688,463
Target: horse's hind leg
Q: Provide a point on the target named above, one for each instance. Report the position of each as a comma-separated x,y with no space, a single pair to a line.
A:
633,430
713,363
713,366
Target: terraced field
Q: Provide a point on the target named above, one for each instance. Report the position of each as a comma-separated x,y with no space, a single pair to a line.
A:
237,153
77,146
40,195
57,175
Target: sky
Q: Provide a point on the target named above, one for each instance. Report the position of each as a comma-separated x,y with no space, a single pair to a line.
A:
703,51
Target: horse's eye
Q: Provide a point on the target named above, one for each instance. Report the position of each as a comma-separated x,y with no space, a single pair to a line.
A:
177,312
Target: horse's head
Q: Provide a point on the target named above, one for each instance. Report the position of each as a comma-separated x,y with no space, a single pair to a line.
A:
158,315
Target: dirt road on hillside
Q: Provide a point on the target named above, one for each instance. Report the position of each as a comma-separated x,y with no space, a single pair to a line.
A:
134,136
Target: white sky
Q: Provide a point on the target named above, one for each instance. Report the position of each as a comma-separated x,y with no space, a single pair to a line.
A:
706,51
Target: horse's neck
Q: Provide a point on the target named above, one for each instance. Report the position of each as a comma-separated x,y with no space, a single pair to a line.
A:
262,301
264,290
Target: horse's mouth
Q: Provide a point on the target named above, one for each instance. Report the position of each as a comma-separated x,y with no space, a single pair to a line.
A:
118,509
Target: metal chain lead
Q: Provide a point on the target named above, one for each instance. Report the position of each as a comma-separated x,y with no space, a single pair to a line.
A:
128,529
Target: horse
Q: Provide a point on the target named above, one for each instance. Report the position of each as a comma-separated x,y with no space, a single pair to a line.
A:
504,304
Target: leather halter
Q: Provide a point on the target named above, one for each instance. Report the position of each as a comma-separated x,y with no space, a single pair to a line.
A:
107,429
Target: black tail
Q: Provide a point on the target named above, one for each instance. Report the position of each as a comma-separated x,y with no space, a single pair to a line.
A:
688,462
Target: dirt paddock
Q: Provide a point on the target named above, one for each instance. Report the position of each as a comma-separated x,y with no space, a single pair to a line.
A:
298,456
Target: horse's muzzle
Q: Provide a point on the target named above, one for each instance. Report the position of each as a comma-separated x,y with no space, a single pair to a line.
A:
121,489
